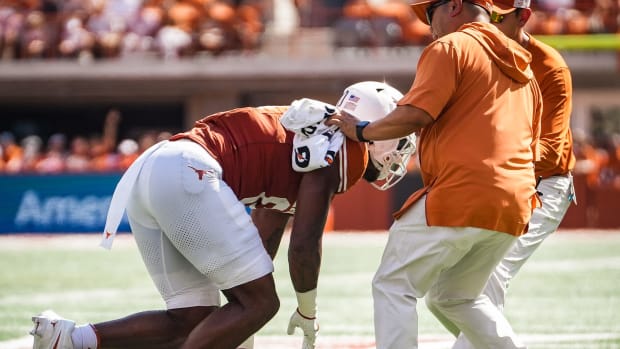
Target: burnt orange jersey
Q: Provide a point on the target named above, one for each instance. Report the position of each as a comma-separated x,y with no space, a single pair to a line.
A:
556,140
255,152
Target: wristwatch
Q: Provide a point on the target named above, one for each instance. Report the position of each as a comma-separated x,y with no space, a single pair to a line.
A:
359,129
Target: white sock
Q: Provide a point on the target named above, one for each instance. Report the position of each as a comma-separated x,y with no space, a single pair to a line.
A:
84,337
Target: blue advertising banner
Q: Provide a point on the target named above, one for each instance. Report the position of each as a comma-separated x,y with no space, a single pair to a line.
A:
56,203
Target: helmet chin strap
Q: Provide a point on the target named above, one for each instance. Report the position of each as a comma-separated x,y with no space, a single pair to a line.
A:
388,177
380,168
381,182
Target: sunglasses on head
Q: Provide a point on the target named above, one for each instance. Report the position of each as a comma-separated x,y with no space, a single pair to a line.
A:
432,7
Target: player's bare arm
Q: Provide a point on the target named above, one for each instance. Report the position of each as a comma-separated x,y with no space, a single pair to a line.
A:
316,191
271,225
402,121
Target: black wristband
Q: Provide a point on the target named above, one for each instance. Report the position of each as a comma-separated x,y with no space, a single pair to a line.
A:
359,129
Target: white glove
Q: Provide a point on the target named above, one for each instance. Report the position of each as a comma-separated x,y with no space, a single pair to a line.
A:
304,317
310,327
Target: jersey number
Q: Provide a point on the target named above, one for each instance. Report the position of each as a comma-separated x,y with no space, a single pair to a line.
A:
275,203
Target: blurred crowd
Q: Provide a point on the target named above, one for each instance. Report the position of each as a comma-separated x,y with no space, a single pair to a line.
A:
553,17
88,29
97,153
598,159
391,23
99,29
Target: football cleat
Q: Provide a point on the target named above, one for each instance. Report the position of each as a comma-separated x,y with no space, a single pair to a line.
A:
51,331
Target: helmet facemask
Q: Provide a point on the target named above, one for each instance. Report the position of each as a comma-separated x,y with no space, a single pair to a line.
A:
391,157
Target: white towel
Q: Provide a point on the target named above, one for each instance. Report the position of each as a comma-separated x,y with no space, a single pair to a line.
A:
123,190
315,144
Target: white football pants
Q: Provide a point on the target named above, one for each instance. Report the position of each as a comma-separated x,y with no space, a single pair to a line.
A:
194,235
452,265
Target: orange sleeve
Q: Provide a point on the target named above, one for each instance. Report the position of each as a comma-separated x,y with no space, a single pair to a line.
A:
435,80
556,90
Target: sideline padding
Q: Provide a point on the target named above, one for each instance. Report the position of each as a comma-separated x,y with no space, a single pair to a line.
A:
53,204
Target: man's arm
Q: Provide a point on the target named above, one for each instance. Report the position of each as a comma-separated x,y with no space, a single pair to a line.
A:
555,122
271,225
402,121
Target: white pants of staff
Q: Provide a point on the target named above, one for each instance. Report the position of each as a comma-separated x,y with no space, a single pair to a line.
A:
557,194
449,265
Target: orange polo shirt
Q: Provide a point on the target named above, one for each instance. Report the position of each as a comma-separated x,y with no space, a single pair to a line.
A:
556,140
476,157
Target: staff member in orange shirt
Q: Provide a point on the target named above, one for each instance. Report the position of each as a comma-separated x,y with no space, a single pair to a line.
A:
556,150
478,107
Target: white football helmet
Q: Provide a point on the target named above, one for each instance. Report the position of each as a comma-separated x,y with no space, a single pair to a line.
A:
371,101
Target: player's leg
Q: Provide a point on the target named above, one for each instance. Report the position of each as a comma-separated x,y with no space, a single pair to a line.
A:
151,329
210,244
248,308
157,329
189,297
213,232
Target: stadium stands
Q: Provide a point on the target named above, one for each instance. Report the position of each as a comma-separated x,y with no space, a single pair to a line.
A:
104,29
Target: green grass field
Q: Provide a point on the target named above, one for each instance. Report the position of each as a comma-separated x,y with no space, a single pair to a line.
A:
597,42
567,296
